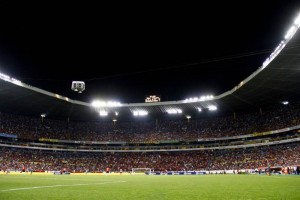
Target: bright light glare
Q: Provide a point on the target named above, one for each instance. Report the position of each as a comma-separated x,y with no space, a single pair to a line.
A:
113,104
297,20
4,76
174,111
290,32
207,97
98,104
212,107
285,102
201,98
103,113
140,113
17,82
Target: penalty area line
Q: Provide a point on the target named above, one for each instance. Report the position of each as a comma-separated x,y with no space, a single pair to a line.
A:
54,186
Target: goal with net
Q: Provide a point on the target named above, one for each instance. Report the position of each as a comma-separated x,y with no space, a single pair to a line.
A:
141,171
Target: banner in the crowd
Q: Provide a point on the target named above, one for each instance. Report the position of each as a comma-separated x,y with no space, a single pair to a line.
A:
8,135
78,142
168,141
48,140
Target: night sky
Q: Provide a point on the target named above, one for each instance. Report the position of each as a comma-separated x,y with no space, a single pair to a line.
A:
125,52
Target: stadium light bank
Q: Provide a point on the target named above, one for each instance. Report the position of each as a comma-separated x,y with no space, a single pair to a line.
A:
289,34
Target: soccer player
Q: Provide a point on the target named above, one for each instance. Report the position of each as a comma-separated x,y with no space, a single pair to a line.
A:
23,168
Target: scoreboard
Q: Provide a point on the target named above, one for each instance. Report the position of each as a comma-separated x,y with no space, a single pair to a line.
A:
152,98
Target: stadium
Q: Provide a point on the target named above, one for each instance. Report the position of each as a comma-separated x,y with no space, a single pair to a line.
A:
240,144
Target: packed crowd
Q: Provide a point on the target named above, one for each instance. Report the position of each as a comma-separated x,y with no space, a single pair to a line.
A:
152,130
16,159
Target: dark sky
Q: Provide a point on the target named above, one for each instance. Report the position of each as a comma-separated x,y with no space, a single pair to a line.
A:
124,52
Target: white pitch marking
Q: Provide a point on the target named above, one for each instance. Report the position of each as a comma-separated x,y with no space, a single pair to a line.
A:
53,186
59,179
281,176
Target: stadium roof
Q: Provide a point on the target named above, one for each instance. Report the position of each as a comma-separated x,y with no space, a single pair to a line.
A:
277,80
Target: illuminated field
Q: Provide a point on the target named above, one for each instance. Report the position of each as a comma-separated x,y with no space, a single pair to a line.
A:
32,187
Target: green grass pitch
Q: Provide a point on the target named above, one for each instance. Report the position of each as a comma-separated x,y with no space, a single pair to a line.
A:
182,187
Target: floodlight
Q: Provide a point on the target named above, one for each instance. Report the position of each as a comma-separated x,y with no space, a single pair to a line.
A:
103,113
140,113
297,20
4,76
212,107
290,32
113,104
98,104
43,116
174,111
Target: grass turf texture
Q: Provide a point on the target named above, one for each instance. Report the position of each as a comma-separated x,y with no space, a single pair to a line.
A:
258,187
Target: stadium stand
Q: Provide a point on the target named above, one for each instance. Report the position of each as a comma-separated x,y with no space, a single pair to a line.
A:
72,137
